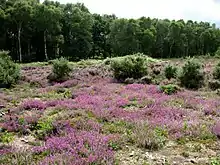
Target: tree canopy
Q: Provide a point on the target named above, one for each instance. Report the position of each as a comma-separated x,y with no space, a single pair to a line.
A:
34,31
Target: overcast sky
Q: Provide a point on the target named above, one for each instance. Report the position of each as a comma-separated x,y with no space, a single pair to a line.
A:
197,10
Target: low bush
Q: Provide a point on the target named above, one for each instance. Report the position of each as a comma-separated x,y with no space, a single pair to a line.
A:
170,71
129,67
44,128
169,89
61,70
192,76
9,71
216,72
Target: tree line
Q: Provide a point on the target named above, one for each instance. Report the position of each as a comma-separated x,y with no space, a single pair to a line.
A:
34,31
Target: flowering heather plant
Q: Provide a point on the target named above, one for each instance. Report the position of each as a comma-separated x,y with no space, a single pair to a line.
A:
33,104
134,87
32,119
88,125
10,123
74,128
5,150
67,104
79,147
20,123
216,129
53,103
67,84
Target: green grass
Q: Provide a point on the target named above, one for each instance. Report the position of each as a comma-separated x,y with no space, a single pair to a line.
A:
34,64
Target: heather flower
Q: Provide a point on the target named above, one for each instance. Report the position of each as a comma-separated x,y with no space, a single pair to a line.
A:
5,150
79,147
88,125
134,86
69,83
122,102
33,104
216,129
32,119
52,103
11,123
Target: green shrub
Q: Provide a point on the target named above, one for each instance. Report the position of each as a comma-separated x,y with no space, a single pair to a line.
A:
215,161
61,69
170,71
129,67
9,71
6,137
44,128
192,76
217,53
169,89
216,72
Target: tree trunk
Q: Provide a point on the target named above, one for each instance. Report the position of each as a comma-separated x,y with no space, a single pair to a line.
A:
19,42
57,51
29,48
45,46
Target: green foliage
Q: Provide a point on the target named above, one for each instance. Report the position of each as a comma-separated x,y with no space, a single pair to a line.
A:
170,71
49,30
169,89
217,53
6,137
215,161
9,71
114,145
147,59
192,76
61,69
129,67
216,72
44,128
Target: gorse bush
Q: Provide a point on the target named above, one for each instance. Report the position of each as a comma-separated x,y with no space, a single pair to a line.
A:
170,71
129,67
61,69
9,71
192,76
216,72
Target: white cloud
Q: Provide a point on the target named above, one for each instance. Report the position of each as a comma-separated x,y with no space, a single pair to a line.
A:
198,10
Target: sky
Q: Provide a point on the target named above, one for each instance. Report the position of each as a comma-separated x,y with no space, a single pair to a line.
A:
196,10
